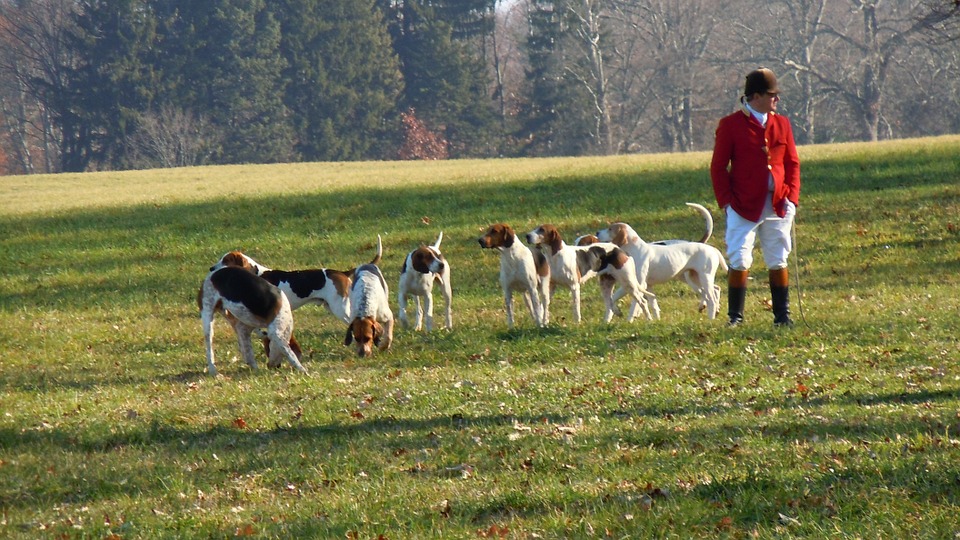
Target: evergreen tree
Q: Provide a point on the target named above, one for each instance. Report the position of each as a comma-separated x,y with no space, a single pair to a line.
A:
446,81
220,58
557,119
116,79
243,85
343,79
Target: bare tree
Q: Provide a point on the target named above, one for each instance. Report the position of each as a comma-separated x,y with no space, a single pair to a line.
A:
34,67
663,46
942,18
17,118
172,137
590,71
506,61
798,43
874,38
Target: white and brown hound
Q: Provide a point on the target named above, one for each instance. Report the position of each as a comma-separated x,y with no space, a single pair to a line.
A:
520,270
248,302
568,270
694,262
422,267
324,286
372,323
619,266
614,267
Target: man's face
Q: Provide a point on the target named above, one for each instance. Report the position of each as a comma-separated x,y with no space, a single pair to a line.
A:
764,102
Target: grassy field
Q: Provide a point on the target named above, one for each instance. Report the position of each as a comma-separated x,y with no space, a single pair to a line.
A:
848,426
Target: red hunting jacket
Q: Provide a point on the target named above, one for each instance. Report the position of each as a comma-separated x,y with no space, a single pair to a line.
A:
745,155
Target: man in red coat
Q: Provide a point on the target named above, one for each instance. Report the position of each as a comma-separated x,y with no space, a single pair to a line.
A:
755,172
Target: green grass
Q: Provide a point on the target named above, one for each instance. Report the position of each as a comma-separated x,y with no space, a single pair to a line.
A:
847,426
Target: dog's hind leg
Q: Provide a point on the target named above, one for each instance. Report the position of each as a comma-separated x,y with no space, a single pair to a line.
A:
243,342
710,295
575,300
447,290
696,281
610,297
207,321
547,293
532,300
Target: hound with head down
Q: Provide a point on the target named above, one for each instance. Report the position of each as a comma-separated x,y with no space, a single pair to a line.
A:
324,286
372,322
248,303
693,262
520,271
421,269
570,267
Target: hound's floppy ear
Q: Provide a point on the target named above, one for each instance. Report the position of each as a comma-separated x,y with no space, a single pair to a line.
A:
550,234
508,236
587,260
603,258
377,333
349,339
295,347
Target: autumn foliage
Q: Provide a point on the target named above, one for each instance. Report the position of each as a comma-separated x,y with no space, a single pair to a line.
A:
418,141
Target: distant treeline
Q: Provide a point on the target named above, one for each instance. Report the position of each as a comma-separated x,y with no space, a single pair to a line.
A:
115,84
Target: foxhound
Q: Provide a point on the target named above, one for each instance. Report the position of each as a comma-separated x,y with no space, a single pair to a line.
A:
694,262
569,268
372,322
422,267
520,271
248,303
609,265
324,286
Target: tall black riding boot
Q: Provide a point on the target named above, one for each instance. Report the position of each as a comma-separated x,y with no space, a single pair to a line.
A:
736,295
780,295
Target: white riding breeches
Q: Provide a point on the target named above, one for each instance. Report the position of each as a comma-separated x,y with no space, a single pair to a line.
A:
773,231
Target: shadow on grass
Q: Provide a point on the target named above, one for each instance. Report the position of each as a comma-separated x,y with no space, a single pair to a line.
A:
119,253
254,451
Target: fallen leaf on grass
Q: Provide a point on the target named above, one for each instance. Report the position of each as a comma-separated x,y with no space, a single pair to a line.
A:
479,356
494,531
240,423
800,389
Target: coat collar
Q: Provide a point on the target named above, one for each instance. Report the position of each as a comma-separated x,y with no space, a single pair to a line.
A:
746,112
